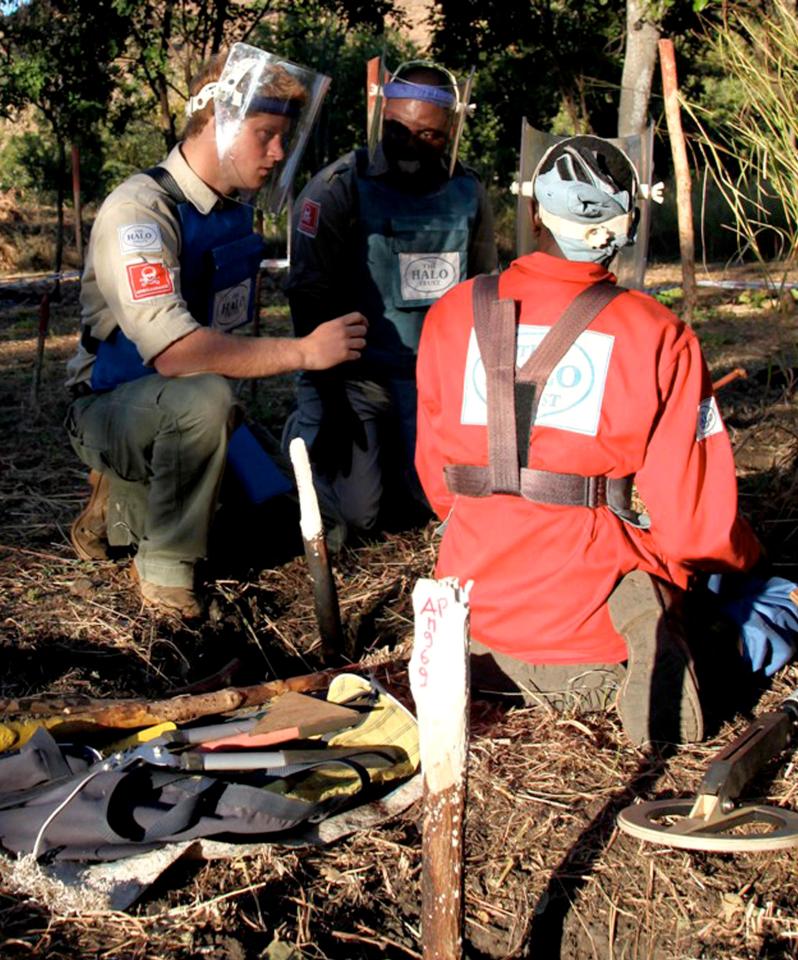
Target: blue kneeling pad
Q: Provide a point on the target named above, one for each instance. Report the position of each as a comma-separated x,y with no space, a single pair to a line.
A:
257,473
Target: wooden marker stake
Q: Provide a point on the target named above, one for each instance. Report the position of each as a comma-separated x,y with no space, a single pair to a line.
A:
325,596
44,326
439,679
681,169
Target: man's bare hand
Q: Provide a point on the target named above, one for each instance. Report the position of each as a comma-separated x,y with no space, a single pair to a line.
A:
334,342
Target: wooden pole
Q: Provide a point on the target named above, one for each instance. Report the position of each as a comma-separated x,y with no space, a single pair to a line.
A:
439,679
128,714
325,596
684,202
76,202
373,80
44,324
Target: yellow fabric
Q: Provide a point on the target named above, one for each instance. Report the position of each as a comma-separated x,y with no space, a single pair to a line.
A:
141,736
16,733
387,723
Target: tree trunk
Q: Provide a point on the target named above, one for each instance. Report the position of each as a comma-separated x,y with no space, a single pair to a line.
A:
218,26
640,58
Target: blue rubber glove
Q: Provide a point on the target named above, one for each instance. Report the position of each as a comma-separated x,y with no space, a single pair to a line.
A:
765,614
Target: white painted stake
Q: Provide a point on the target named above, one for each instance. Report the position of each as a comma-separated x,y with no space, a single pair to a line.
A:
325,596
439,680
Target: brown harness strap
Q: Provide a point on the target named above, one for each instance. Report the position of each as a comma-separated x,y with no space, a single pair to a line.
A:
582,310
495,327
509,425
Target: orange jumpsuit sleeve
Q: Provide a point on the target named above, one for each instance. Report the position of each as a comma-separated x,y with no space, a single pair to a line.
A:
688,480
430,425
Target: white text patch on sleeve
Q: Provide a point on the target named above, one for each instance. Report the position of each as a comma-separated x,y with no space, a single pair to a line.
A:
140,238
709,419
573,394
147,280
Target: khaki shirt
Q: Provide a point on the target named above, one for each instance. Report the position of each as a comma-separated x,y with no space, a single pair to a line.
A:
132,275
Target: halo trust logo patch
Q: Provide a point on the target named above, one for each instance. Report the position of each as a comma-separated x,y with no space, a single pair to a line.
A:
140,238
574,391
230,306
709,421
427,276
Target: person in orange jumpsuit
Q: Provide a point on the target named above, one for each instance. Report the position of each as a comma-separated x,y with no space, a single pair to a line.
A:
573,597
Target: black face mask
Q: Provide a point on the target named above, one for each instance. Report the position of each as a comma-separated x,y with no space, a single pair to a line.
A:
404,151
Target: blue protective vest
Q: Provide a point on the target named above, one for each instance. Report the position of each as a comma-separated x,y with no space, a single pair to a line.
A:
219,260
413,248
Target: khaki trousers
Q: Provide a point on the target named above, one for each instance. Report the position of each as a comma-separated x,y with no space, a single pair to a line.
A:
163,443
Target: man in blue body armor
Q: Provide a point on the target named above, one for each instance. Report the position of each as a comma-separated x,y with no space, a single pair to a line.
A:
384,233
170,271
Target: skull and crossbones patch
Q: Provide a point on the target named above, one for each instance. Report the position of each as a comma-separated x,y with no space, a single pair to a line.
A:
148,280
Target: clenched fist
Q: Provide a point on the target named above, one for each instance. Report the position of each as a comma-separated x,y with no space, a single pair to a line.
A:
334,342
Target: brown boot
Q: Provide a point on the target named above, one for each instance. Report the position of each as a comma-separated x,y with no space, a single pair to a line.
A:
88,533
179,602
658,699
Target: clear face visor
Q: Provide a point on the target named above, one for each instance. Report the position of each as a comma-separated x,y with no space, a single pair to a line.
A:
264,109
630,262
382,87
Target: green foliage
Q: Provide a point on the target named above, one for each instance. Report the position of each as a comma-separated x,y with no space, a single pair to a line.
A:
670,297
748,138
39,65
138,146
28,164
755,298
311,33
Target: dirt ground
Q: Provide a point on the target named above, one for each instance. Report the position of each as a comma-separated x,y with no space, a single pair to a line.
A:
548,874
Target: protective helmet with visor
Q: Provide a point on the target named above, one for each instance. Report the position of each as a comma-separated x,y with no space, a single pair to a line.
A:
593,194
252,83
586,191
450,95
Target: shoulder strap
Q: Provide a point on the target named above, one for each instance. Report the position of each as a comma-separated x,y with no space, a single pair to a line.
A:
166,182
513,401
578,316
495,329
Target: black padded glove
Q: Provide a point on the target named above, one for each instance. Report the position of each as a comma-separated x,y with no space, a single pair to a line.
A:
340,431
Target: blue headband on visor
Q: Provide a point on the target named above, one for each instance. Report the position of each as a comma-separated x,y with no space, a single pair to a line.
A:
281,108
407,90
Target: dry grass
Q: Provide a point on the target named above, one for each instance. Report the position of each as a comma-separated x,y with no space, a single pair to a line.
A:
547,874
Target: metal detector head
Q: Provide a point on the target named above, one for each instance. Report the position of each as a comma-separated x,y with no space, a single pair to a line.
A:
714,820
